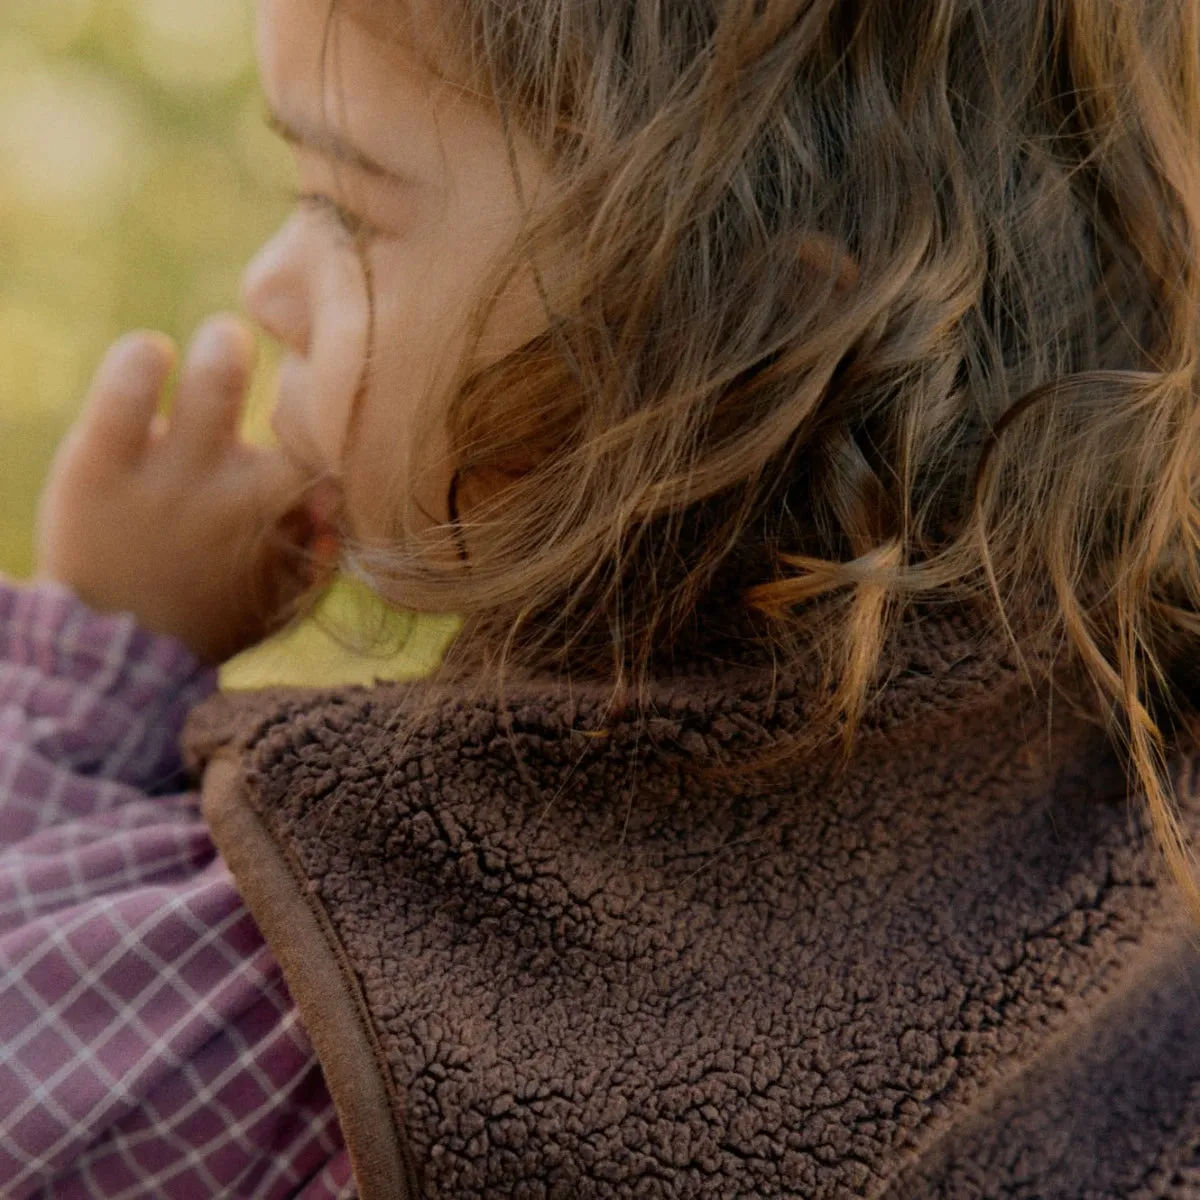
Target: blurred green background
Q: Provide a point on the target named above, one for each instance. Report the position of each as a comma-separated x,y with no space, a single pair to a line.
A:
136,180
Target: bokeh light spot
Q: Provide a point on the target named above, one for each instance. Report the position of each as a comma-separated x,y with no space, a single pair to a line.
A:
69,144
194,44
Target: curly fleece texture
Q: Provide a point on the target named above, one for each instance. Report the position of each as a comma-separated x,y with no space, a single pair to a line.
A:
584,967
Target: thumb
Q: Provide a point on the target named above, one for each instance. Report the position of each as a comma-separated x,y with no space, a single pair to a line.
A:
295,504
301,548
279,485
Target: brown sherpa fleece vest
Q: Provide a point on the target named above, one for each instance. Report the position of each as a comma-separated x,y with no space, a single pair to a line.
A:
542,959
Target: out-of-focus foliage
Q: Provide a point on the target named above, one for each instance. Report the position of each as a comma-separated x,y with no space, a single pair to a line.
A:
136,180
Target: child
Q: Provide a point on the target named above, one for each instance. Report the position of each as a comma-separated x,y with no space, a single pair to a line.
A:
795,397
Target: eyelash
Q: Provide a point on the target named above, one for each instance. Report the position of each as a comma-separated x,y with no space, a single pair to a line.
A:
351,224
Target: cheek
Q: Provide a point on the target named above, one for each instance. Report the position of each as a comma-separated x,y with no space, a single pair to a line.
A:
398,469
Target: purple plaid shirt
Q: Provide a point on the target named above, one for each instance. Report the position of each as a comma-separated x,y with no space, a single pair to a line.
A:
148,1046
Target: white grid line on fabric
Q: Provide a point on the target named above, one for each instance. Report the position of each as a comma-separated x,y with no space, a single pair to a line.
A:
325,1186
132,939
348,1191
233,1130
31,1169
75,873
323,1127
74,618
115,1148
51,641
56,938
56,794
85,829
51,809
211,1183
76,834
81,703
77,653
312,1135
289,1029
38,630
24,902
136,870
275,1095
315,1135
33,903
309,1129
26,676
157,1047
54,633
64,640
19,703
22,816
116,653
9,761
41,1094
192,1160
285,1030
204,1093
107,907
319,1129
164,1125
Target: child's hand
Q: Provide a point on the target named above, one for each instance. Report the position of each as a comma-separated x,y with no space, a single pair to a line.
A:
196,534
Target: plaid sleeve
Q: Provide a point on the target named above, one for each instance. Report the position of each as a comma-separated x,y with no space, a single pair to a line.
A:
148,1045
93,693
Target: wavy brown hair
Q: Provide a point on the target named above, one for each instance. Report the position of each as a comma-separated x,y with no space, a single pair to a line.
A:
869,304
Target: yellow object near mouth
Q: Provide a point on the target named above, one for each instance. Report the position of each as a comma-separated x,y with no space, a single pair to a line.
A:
311,654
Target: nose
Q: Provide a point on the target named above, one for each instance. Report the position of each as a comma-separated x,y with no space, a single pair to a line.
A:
274,293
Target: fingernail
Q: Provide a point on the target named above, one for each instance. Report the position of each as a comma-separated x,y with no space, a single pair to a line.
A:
143,354
214,345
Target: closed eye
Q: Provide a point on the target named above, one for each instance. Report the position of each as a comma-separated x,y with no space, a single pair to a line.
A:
350,223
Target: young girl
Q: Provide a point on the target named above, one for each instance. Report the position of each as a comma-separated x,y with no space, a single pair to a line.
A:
798,400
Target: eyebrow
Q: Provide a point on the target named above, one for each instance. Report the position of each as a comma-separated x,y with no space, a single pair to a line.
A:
332,145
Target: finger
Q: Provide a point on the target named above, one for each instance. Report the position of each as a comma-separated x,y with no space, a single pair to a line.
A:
291,552
280,483
212,387
117,415
266,484
305,555
309,516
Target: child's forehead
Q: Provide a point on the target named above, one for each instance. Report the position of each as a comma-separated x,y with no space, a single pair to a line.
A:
387,20
323,69
327,86
336,89
412,30
358,49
